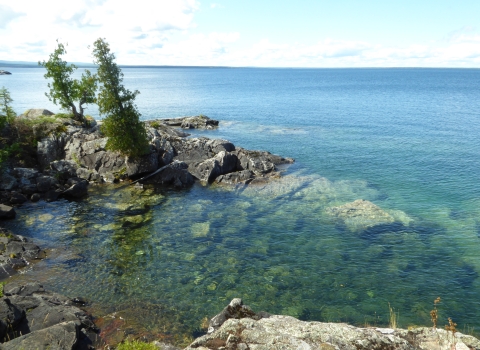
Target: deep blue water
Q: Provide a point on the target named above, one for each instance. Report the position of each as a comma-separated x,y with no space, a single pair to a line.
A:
405,139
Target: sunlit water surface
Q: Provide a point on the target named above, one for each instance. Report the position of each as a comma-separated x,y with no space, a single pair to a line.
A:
405,139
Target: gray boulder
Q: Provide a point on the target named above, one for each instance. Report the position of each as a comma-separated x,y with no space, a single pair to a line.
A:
26,176
10,317
175,174
208,170
50,149
45,183
45,320
237,177
29,189
62,336
194,122
139,166
52,195
64,168
36,112
77,189
6,212
35,197
7,181
164,149
260,162
17,198
199,149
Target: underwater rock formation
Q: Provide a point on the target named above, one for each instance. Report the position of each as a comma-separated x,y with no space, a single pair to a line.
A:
360,215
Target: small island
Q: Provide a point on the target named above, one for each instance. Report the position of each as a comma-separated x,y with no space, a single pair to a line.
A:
4,72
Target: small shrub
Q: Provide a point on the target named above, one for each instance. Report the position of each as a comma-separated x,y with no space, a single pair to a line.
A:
155,124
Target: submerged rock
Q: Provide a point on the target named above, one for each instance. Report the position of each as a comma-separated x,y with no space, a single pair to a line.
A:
7,212
360,215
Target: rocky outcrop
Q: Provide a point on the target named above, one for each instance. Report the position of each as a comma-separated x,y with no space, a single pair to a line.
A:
208,170
75,151
175,174
33,318
195,122
4,72
16,252
237,177
238,327
206,159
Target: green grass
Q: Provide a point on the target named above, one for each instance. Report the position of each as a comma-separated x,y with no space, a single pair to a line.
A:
136,345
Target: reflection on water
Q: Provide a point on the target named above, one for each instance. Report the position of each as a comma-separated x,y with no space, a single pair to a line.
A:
167,259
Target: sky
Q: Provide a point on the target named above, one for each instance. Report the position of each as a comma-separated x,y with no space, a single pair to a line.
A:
261,33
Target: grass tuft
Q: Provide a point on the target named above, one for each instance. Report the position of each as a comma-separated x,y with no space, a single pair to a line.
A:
393,317
136,345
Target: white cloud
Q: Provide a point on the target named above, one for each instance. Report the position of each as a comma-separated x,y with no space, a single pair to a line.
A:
126,26
164,32
216,6
7,15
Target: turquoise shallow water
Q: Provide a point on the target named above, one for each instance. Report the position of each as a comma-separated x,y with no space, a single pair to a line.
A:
405,139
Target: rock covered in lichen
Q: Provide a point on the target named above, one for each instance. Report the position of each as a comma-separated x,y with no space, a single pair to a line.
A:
238,327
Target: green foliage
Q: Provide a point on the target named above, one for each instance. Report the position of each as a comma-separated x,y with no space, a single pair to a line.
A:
155,124
6,112
121,125
64,90
136,345
64,115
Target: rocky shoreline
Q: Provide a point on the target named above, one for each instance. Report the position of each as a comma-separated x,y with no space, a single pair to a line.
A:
67,161
73,157
32,317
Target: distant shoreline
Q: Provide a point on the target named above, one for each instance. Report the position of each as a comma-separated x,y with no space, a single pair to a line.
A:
24,64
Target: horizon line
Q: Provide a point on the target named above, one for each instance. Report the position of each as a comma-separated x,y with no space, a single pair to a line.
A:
27,64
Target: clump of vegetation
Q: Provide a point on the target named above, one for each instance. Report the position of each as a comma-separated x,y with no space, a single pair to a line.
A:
65,115
393,317
136,345
155,124
66,91
434,313
452,326
7,115
126,134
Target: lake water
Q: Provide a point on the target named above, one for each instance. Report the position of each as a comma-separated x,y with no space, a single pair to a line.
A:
407,140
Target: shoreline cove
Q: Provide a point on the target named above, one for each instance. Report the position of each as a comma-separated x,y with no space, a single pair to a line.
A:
352,216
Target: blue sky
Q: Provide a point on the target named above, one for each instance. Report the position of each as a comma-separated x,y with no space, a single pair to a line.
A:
301,33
